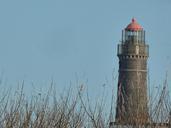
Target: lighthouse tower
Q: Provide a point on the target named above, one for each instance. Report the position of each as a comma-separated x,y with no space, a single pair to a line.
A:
132,82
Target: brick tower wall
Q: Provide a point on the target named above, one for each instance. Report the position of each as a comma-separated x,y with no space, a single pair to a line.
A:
132,83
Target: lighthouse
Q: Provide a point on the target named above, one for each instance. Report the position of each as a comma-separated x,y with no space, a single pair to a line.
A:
133,53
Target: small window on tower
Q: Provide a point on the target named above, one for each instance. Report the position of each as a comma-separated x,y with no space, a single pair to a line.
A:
137,50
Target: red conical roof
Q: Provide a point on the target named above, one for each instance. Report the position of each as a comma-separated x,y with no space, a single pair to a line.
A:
133,26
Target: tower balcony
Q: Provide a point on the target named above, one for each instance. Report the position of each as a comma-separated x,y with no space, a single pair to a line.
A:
133,49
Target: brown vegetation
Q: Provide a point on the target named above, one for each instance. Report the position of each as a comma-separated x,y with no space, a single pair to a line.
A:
70,110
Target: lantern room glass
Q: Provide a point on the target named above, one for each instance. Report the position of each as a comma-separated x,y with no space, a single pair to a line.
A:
129,36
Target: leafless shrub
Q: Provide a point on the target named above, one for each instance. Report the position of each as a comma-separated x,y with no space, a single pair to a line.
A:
71,109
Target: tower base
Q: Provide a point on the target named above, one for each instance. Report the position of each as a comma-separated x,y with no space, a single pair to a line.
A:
148,125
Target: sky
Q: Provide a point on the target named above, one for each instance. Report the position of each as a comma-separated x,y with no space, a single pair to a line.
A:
74,42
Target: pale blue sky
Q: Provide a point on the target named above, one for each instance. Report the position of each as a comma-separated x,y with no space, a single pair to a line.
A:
67,40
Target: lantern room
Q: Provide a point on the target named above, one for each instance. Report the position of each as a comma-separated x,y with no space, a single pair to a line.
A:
133,33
